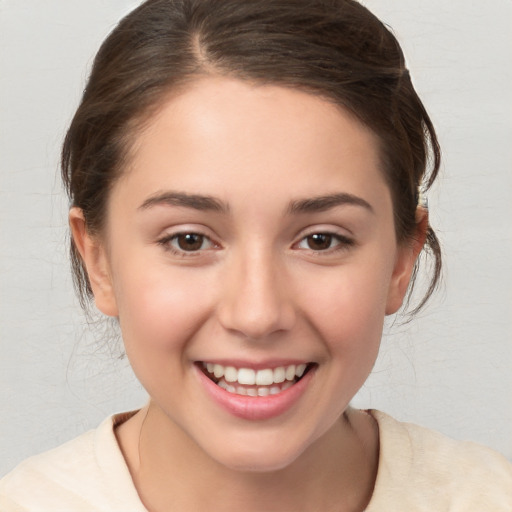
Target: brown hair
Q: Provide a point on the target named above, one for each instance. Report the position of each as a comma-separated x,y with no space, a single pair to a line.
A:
333,48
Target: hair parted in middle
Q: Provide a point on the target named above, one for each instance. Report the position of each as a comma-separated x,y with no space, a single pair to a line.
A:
336,49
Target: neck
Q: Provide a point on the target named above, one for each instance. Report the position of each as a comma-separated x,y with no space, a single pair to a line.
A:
171,472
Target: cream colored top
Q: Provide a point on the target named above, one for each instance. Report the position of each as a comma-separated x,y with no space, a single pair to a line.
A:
419,470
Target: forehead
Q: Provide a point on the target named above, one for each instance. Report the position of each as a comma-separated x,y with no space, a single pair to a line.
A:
223,136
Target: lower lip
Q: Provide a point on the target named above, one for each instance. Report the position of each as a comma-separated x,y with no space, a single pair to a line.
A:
256,408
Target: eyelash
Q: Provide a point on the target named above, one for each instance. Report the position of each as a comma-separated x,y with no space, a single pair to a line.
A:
166,243
341,243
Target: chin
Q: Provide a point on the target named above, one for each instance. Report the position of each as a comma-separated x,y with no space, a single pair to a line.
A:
256,457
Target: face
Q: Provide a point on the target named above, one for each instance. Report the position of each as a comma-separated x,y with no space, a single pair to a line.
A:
250,250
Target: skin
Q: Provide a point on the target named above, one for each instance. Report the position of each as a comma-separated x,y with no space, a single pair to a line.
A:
257,290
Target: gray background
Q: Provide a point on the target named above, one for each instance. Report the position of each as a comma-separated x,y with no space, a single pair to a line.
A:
450,369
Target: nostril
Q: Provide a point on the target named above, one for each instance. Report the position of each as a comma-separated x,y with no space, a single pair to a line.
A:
255,321
253,301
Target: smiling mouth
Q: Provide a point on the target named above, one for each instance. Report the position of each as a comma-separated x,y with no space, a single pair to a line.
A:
249,382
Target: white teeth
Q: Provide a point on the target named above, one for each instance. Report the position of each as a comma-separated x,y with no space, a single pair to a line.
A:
279,375
247,376
299,371
250,377
264,377
218,371
254,391
240,390
230,374
290,372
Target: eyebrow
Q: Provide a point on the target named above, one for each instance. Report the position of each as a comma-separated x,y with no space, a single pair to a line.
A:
323,203
195,201
209,203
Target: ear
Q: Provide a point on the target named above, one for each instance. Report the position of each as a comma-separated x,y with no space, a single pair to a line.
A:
407,253
95,259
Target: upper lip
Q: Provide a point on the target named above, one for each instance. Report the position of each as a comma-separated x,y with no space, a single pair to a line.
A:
256,365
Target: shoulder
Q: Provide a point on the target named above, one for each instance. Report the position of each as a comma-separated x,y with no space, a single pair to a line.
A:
82,474
424,470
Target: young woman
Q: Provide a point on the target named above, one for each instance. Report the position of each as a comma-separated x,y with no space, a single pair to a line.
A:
245,181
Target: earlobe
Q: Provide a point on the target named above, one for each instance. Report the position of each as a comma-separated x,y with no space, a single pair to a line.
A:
94,257
407,254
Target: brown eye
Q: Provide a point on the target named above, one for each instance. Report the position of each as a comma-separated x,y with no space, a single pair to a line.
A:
325,242
319,241
189,241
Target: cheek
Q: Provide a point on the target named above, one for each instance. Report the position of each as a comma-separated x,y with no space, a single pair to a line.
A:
347,306
160,309
159,313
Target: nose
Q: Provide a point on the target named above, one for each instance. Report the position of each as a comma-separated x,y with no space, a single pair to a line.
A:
256,298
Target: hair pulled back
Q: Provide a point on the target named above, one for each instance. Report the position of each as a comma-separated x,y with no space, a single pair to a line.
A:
333,48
